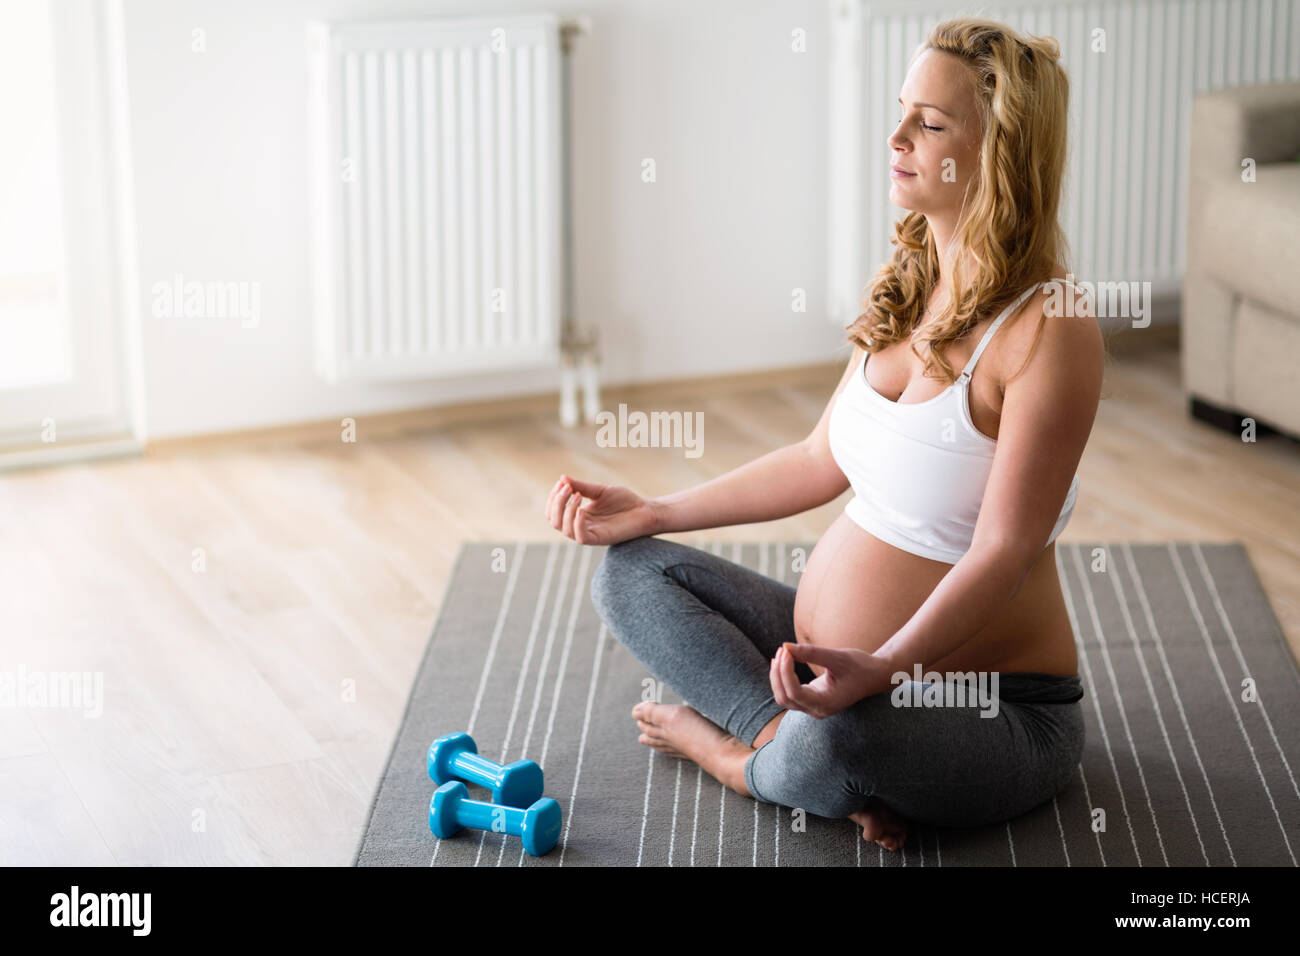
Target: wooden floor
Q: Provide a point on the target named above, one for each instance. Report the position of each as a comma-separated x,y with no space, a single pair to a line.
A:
252,689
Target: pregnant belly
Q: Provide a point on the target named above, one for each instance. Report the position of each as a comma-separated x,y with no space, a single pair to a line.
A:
857,591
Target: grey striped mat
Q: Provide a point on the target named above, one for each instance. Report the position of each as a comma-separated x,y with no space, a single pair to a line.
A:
1191,696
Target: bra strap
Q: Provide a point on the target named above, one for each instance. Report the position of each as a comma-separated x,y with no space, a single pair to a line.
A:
975,356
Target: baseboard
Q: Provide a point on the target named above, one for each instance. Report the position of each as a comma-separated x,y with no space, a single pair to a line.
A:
70,452
391,424
1125,340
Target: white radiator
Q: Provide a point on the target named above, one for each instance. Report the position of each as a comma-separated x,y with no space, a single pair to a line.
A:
437,178
1126,187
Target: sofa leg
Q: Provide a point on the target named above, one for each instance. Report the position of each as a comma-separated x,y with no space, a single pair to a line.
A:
1227,419
1216,415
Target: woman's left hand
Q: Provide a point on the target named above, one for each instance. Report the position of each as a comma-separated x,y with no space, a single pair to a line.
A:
850,674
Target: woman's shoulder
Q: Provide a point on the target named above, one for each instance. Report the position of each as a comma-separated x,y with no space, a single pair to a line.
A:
1058,310
1057,297
1061,294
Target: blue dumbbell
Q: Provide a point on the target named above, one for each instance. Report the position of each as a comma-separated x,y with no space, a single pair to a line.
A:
451,809
455,757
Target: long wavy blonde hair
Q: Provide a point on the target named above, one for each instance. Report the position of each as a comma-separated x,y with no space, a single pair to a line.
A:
1009,227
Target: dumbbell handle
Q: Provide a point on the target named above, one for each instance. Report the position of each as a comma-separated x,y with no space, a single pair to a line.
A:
482,816
478,769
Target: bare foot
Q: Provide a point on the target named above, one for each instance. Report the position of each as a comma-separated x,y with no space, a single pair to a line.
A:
881,825
681,731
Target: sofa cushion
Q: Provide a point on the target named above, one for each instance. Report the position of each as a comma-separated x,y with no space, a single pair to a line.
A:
1265,375
1251,234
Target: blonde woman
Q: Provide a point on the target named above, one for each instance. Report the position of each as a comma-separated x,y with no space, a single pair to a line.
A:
959,423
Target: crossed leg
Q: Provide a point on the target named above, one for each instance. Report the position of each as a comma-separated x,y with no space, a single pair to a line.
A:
709,628
681,731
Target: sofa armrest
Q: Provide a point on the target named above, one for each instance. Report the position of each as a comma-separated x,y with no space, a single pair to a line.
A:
1259,121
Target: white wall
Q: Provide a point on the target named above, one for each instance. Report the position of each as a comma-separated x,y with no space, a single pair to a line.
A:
691,275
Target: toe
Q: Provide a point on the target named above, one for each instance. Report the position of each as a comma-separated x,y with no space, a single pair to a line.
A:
871,829
653,713
659,745
893,839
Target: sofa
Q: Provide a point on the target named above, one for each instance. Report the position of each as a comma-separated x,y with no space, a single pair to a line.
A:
1240,330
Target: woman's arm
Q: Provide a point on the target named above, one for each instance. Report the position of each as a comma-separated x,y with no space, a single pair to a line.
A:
785,482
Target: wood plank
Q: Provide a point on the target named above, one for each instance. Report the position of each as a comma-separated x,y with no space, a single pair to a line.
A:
42,821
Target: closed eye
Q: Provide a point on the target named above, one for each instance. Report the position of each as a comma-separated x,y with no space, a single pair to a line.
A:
932,129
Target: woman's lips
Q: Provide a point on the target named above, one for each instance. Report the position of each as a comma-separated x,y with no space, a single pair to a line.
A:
897,173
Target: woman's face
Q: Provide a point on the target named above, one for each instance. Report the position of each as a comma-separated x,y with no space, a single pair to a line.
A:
938,143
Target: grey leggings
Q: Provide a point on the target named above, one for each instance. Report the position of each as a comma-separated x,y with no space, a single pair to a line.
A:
708,628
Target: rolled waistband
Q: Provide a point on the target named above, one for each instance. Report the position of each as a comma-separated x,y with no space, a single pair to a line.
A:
1025,687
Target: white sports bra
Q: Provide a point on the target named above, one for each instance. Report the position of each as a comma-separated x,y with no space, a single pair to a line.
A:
919,469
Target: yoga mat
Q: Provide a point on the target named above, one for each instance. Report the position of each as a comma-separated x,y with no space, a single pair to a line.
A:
1191,696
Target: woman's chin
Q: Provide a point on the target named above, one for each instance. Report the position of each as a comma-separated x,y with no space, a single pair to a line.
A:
900,198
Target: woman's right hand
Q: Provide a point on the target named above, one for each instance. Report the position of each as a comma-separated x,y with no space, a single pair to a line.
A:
592,513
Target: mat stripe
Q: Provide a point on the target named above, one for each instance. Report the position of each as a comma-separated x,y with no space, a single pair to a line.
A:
506,597
1104,644
1232,700
582,743
1096,703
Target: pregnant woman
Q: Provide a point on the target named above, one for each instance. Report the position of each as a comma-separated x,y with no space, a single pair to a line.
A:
959,423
